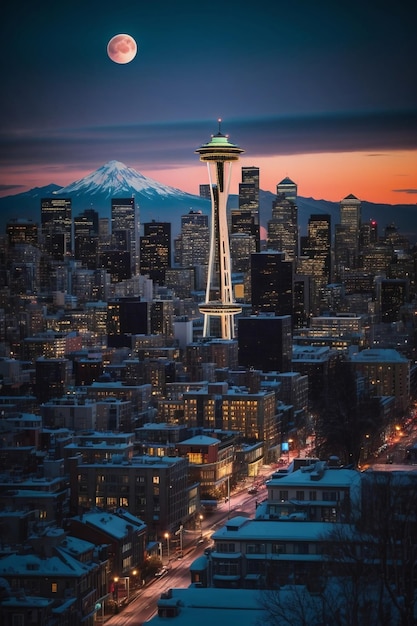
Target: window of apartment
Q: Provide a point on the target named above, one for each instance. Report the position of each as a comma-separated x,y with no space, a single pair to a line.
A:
299,495
155,480
54,587
312,495
255,548
283,496
18,619
227,568
226,547
329,496
301,548
278,548
112,502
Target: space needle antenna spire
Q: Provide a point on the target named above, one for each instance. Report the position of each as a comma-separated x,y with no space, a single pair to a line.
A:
219,306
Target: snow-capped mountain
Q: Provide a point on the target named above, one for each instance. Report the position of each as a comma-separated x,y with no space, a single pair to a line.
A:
115,179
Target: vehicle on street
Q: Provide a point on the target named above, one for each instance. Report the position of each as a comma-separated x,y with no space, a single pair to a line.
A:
162,572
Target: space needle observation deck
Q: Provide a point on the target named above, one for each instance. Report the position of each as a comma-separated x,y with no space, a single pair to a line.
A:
219,308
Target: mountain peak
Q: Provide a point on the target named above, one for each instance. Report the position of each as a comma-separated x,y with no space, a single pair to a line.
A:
115,179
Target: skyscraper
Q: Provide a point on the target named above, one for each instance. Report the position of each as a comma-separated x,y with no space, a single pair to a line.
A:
219,155
316,255
86,238
289,188
155,250
347,236
125,228
195,238
283,227
271,283
249,204
56,226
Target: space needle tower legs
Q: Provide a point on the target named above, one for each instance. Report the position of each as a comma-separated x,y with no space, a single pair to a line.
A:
219,155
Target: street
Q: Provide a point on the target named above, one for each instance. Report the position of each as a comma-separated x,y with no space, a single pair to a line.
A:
144,604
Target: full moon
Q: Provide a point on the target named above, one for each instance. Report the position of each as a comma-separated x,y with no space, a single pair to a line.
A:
122,48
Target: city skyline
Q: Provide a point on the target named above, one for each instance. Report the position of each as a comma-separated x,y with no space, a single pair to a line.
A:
323,94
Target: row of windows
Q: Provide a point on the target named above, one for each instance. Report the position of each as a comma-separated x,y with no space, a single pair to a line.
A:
302,547
123,479
328,496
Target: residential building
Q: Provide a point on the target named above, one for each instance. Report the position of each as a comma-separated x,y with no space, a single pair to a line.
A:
387,373
154,489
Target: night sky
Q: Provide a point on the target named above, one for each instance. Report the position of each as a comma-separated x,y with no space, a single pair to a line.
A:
323,92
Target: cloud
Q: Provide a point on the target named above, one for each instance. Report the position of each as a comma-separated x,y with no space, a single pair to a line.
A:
170,145
411,191
12,188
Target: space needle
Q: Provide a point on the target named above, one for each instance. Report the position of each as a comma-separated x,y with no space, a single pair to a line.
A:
219,155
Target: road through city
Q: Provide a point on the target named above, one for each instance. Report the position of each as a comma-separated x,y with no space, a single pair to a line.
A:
143,603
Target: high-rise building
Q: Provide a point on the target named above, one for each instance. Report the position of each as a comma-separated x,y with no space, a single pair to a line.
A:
265,342
283,226
194,240
271,283
391,295
369,233
219,154
86,238
242,245
289,188
316,255
56,226
155,250
319,243
205,191
244,223
125,228
22,231
126,317
249,203
347,236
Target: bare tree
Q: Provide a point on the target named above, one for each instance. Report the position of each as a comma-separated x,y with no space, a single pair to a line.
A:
339,603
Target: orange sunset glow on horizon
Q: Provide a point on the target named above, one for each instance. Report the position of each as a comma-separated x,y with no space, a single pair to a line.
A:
386,177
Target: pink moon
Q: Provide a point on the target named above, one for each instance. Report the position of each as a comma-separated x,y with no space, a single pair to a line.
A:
122,48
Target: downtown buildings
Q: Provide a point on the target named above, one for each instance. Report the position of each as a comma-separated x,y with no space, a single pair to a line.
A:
117,397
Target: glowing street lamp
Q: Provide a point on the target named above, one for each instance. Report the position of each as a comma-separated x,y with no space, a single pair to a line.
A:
116,588
167,538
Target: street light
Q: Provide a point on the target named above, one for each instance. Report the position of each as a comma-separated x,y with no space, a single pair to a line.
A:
116,588
167,538
201,517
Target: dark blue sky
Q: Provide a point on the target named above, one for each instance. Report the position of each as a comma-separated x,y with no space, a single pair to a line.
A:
288,78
